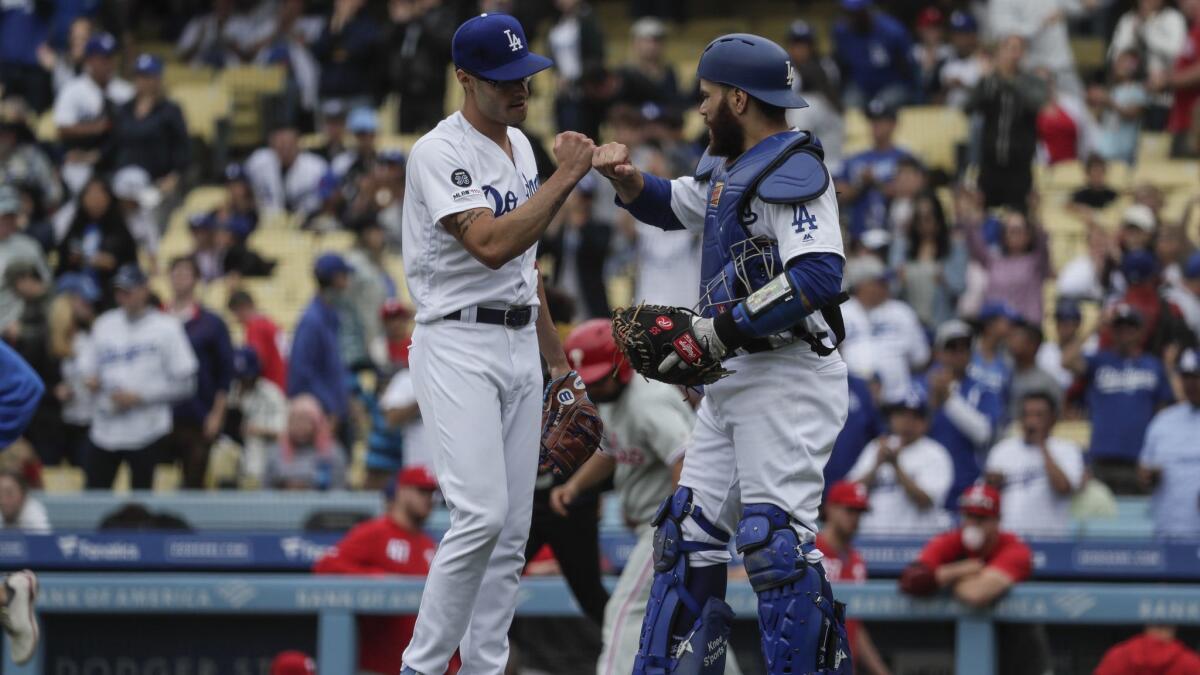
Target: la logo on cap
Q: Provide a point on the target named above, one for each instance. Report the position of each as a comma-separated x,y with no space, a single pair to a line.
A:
514,41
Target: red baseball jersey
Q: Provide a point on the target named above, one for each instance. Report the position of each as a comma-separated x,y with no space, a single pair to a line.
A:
1010,555
848,567
377,547
1147,655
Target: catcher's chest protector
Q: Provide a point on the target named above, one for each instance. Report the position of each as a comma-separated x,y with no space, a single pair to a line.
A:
728,217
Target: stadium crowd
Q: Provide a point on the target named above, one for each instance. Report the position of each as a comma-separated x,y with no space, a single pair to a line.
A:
978,325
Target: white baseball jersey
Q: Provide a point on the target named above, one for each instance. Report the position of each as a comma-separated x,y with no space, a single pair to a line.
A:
925,461
887,341
1028,504
294,189
82,100
150,357
455,168
645,431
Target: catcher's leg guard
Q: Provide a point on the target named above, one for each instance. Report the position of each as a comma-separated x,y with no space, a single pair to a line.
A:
803,630
687,623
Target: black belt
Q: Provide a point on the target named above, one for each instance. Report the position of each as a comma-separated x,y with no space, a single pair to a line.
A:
516,316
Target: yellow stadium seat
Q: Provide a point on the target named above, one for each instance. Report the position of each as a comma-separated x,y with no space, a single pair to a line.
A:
1169,174
932,133
176,74
204,105
1065,176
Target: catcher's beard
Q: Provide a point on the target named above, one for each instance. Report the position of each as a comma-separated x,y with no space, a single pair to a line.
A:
726,137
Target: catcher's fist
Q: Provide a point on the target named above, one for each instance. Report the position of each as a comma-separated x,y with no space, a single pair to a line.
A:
612,161
573,152
706,336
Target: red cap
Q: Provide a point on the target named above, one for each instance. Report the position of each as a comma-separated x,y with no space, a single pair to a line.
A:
980,500
417,476
851,494
293,663
930,16
393,309
593,353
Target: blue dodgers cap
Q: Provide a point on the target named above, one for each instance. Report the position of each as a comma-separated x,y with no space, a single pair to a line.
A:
101,44
78,283
148,65
1138,265
1191,267
963,22
362,120
753,64
996,309
329,264
915,399
129,276
245,363
493,46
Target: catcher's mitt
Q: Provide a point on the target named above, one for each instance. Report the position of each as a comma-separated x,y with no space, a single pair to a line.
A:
571,426
648,334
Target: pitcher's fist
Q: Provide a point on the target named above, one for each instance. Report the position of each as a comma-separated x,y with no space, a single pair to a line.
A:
573,151
612,161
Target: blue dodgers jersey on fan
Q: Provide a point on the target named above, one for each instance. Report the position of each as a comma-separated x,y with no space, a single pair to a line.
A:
864,423
963,452
875,59
995,375
869,211
1123,395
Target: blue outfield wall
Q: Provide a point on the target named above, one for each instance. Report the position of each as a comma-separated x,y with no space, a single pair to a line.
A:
334,601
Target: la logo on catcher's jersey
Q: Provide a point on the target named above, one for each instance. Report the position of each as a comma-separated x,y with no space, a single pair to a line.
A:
514,41
714,197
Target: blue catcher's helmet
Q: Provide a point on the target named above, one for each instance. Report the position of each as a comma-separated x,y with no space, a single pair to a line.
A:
753,64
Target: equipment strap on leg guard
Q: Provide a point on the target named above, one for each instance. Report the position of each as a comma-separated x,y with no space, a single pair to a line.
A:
687,623
803,631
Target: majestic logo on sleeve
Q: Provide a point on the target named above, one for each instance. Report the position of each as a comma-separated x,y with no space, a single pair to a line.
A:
514,41
460,178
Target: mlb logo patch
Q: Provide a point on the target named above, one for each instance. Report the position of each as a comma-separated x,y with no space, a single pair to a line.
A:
714,197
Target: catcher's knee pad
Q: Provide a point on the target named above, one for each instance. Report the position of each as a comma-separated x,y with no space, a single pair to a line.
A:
802,629
687,623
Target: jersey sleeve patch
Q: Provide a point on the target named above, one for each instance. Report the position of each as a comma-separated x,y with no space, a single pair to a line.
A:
460,178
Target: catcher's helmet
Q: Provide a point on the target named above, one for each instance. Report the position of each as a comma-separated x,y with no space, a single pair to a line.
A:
753,64
593,352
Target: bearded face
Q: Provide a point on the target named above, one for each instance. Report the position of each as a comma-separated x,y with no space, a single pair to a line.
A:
726,136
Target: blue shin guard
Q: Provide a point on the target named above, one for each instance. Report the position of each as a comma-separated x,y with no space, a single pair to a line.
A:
803,630
687,623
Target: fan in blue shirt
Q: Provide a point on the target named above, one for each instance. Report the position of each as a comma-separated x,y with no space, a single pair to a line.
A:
864,176
874,53
1170,461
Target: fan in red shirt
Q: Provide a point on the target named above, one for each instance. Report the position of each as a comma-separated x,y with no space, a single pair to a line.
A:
843,507
262,335
1153,652
977,561
397,328
1184,81
390,544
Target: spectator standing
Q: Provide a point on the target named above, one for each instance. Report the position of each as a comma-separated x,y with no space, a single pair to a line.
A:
97,240
874,54
284,177
931,262
150,131
1065,126
85,110
576,43
991,366
1067,319
1152,30
306,456
348,53
261,335
1124,389
1042,25
966,65
1121,106
24,27
863,183
907,474
864,423
967,414
977,561
884,337
1007,100
71,316
650,71
1183,81
1096,193
843,508
140,363
1024,343
417,44
208,39
819,82
371,285
1018,267
1170,460
1036,472
930,54
16,248
1164,324
258,411
65,63
393,543
1154,651
19,510
316,365
200,419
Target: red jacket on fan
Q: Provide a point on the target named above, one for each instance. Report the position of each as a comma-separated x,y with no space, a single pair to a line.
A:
262,335
1148,655
376,547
